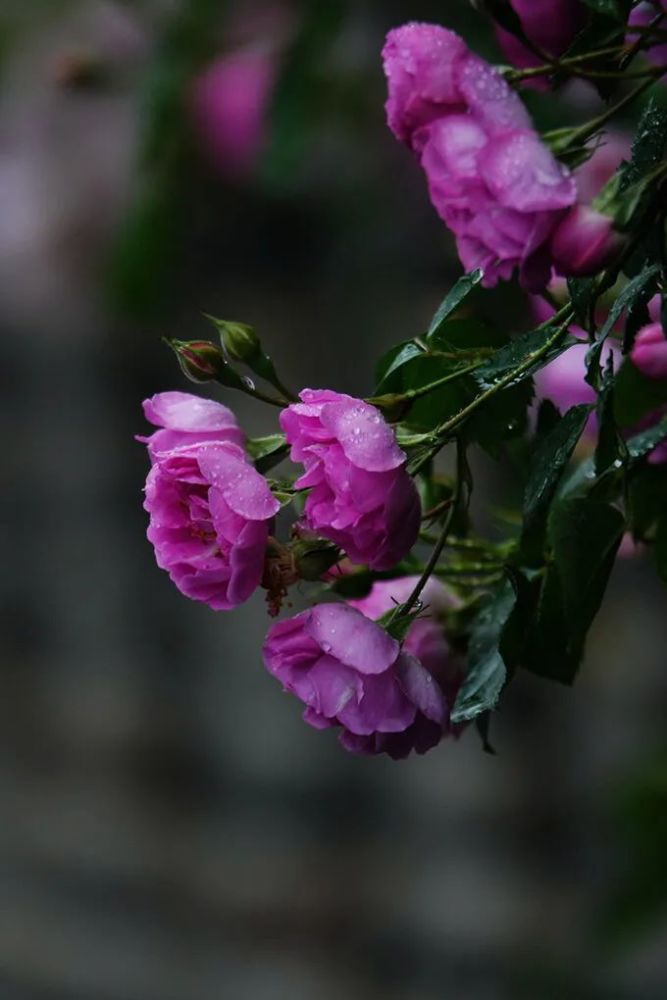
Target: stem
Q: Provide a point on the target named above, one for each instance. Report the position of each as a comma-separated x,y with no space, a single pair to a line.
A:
287,393
553,65
423,390
439,508
263,397
643,36
525,365
437,549
585,132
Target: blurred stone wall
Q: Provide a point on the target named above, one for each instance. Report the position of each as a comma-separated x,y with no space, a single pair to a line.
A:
171,830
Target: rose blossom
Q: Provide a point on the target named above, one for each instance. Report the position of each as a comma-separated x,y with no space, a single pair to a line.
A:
209,508
426,638
361,496
490,178
349,672
230,102
649,351
551,25
185,419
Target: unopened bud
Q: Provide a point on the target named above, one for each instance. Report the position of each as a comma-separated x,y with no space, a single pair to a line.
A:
200,360
314,557
239,341
584,242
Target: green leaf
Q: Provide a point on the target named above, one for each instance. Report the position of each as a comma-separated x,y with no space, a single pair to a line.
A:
501,418
633,297
427,412
610,450
648,146
469,336
584,535
486,673
582,294
547,466
392,362
644,442
519,352
453,300
267,451
610,8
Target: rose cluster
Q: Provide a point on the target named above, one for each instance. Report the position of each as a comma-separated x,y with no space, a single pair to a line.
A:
508,201
211,519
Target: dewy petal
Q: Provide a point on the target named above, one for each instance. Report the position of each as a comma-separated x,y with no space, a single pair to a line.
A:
490,98
420,687
334,685
402,519
383,708
182,411
245,491
288,645
523,174
246,561
367,440
421,64
347,635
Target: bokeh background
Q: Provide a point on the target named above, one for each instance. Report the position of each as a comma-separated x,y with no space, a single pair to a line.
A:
171,830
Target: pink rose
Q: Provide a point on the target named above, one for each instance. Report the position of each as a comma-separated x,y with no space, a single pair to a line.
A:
649,351
490,178
426,638
185,419
209,508
350,673
361,496
230,103
551,25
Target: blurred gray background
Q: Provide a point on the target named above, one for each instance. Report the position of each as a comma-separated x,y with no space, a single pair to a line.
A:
171,830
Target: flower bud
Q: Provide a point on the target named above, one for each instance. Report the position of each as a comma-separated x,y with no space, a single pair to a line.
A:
584,242
239,340
649,351
314,557
200,360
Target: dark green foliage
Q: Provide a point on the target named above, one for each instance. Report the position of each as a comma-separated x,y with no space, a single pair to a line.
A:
487,673
453,300
549,461
266,452
584,536
303,91
631,299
